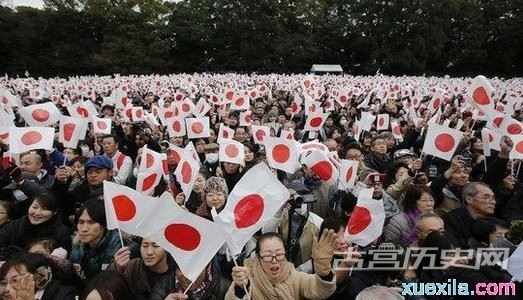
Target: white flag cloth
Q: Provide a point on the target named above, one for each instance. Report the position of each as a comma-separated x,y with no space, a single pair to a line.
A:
102,125
480,94
231,151
282,154
202,108
367,119
45,114
246,118
517,150
84,110
9,99
494,138
186,172
515,263
510,126
259,133
367,219
150,171
71,131
224,133
396,130
441,141
197,127
315,121
255,199
240,102
348,173
191,240
22,139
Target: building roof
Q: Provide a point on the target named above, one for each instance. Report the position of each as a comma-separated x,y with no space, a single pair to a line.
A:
326,68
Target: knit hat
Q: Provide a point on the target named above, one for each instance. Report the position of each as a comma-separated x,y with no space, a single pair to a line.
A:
216,184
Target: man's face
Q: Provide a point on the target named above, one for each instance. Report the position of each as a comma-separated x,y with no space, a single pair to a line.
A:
240,135
484,202
31,164
379,146
89,231
109,145
459,178
152,253
97,176
354,154
200,146
230,168
428,225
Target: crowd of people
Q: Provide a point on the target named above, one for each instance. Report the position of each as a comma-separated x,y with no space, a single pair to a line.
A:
54,238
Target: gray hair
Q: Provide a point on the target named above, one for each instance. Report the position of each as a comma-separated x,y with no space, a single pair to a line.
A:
471,189
379,292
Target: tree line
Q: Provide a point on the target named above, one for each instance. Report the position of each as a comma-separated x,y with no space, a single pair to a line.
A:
412,37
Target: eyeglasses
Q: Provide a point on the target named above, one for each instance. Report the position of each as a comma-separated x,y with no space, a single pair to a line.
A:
269,258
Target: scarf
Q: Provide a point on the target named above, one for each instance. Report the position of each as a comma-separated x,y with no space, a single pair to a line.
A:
264,289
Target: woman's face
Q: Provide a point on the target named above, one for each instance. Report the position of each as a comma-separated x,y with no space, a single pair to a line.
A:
425,203
272,257
37,214
215,199
15,277
230,168
249,155
199,183
477,146
4,217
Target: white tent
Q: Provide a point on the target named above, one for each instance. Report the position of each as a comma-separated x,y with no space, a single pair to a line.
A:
326,69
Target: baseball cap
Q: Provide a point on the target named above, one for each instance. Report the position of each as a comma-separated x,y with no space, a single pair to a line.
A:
99,162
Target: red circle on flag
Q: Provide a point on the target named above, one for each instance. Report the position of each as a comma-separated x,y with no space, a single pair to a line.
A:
397,130
240,101
490,138
124,208
173,156
129,113
497,121
40,115
480,96
124,101
197,127
514,129
444,142
343,98
294,107
149,160
179,97
68,131
229,95
381,122
248,211
436,103
186,107
323,169
149,181
260,134
348,176
225,134
519,147
359,220
31,137
168,114
281,153
316,121
177,126
253,94
307,83
231,150
101,125
82,111
183,236
139,113
186,172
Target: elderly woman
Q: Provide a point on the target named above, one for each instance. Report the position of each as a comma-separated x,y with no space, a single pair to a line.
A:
401,228
216,193
270,276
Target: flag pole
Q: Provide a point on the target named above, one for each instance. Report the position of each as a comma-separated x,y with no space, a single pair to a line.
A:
485,163
187,289
236,265
120,235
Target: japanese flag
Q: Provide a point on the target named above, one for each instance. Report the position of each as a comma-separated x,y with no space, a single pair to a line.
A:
495,118
315,121
382,122
246,118
191,240
22,139
396,130
84,110
441,141
254,200
119,98
436,102
240,102
367,119
320,165
152,168
259,133
313,145
343,98
176,127
179,96
125,208
224,133
9,99
186,172
137,114
231,151
202,108
228,96
348,173
282,154
367,219
295,106
510,126
102,125
174,154
287,134
45,114
492,137
71,131
480,93
185,107
197,127
517,150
